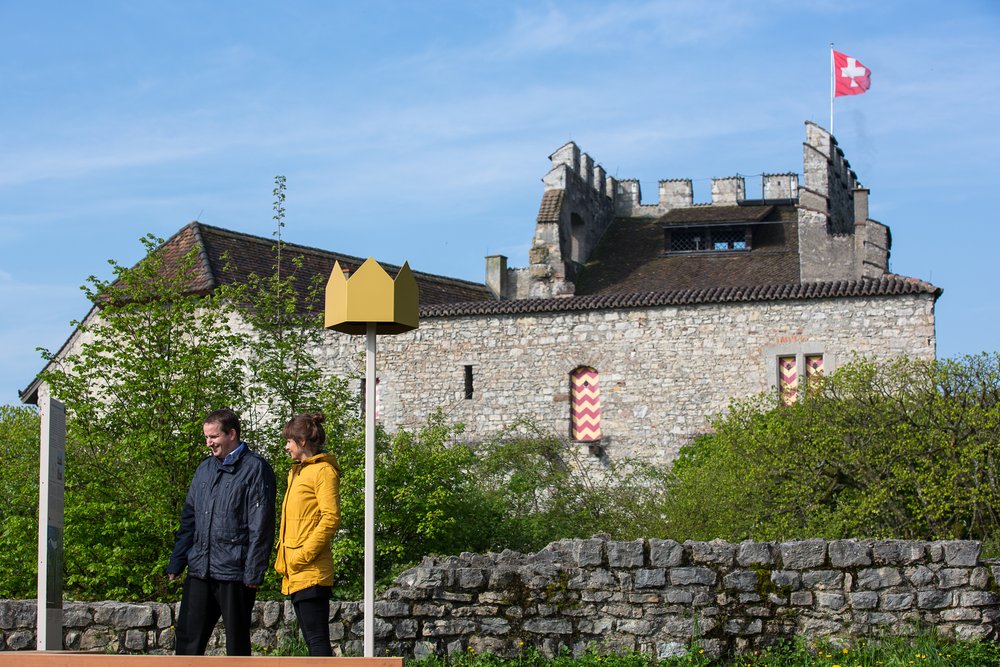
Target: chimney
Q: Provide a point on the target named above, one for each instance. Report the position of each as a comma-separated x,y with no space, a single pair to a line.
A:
861,205
496,275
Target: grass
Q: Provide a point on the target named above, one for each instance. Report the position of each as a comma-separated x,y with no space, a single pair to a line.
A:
920,651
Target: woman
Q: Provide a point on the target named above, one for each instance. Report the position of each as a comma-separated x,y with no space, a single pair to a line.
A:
310,515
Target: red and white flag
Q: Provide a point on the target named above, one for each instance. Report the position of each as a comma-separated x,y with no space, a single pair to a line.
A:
849,75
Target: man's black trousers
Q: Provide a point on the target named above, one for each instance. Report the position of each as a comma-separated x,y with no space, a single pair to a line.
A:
203,602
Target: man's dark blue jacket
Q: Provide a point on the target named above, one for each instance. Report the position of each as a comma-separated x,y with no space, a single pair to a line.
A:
227,526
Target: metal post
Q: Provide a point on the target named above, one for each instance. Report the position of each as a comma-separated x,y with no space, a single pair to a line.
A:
51,489
833,84
369,603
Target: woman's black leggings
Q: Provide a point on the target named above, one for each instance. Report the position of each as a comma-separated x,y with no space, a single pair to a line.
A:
313,615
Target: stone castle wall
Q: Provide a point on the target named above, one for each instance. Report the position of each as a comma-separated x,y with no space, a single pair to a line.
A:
662,371
653,596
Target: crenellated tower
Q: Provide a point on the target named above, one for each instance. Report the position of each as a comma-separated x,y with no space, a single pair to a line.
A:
823,222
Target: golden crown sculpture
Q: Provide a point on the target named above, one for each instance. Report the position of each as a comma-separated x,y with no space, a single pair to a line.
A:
370,296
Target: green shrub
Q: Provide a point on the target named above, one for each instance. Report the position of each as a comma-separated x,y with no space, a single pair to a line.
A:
19,451
902,448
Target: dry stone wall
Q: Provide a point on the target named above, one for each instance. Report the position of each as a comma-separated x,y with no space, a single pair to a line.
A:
654,596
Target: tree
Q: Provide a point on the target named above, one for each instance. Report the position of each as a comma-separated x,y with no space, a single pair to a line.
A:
155,358
19,451
903,448
284,313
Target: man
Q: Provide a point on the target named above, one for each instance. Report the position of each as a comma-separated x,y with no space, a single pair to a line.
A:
224,540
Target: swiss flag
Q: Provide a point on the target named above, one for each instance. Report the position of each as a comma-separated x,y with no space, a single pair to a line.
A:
850,76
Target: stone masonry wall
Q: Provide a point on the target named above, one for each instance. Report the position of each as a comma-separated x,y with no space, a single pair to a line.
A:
653,596
662,371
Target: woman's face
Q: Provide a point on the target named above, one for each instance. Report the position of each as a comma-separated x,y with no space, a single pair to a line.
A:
296,451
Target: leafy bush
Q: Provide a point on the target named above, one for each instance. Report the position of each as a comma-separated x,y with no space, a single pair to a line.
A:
438,495
151,364
426,502
903,448
545,490
19,451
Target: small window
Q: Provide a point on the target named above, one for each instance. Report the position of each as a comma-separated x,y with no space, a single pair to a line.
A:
788,379
687,240
729,239
468,382
710,239
789,374
586,405
814,365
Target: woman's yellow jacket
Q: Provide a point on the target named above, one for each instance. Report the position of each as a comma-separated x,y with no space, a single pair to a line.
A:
310,515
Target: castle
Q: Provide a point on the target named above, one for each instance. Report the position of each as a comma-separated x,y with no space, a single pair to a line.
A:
633,323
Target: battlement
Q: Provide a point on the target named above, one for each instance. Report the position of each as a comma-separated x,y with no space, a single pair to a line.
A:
626,194
830,183
568,158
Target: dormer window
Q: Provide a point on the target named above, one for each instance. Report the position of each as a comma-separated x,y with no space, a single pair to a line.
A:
708,238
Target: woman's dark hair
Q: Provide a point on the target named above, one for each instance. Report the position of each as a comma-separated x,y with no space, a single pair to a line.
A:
307,431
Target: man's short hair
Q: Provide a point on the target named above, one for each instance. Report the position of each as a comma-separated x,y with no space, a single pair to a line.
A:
225,418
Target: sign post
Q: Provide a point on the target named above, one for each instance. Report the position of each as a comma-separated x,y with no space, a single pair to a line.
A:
51,489
371,303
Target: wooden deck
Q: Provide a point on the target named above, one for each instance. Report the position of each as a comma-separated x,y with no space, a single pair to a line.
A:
78,659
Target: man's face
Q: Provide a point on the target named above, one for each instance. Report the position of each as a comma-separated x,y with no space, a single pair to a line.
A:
220,442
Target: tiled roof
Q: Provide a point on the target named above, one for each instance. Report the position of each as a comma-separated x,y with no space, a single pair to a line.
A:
713,213
887,285
548,210
631,257
231,257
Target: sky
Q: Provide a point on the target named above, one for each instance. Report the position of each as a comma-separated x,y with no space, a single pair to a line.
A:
420,131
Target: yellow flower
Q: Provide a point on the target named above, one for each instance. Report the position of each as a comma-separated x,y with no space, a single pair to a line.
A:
845,651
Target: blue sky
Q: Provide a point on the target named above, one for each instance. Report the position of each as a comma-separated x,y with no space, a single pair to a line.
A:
420,131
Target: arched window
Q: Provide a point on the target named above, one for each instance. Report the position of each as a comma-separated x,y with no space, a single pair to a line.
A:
586,404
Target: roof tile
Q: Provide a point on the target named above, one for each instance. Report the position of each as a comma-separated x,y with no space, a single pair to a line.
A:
887,285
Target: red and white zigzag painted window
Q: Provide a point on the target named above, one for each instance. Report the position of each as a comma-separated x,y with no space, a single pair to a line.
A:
814,365
788,379
788,374
586,396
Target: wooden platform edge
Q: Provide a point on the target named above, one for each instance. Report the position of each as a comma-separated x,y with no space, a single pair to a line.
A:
78,659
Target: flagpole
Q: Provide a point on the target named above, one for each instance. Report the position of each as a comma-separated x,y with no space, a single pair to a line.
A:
832,86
